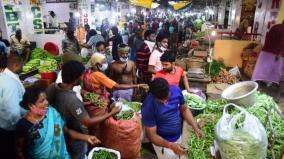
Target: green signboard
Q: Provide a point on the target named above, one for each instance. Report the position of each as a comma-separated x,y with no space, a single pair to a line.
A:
37,19
11,17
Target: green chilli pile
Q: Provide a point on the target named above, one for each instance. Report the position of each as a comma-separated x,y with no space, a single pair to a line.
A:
103,154
194,101
95,99
200,148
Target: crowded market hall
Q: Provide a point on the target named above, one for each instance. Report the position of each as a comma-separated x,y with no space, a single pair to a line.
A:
142,79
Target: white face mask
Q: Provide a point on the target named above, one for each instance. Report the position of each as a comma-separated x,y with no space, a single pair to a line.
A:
163,48
123,59
104,67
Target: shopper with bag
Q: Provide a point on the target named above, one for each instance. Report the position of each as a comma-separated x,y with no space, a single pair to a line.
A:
162,115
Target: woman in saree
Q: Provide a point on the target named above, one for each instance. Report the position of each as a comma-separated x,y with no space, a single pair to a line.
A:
40,133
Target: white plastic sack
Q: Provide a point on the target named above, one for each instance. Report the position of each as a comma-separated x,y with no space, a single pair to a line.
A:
84,52
247,141
90,155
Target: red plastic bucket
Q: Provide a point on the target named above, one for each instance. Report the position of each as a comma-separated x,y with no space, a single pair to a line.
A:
48,75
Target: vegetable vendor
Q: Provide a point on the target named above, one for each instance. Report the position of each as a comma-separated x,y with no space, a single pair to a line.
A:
62,97
40,133
20,44
162,114
96,81
123,72
172,73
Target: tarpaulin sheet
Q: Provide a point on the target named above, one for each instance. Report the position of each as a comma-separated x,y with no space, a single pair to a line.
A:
142,3
181,5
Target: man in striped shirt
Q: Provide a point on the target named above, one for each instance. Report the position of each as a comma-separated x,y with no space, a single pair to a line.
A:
143,55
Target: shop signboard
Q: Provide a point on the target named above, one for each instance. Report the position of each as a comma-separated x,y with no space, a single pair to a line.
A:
37,19
12,18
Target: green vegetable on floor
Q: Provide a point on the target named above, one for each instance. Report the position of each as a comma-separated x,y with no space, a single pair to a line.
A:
103,154
95,99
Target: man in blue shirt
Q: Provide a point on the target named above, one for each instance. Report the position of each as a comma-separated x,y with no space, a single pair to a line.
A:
11,93
163,112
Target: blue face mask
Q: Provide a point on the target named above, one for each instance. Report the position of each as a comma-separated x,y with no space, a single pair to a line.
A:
123,59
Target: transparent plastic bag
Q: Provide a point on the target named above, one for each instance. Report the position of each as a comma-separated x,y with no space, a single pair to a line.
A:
241,135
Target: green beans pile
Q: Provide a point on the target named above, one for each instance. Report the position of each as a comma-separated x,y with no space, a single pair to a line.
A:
200,148
194,102
125,115
95,99
103,154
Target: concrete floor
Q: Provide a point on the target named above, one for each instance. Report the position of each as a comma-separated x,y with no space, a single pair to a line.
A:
149,153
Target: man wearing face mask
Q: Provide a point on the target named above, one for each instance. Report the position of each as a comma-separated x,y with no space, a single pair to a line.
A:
123,72
155,64
96,81
172,73
11,90
101,48
163,111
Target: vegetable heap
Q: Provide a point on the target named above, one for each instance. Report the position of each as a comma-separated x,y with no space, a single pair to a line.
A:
31,65
48,65
95,99
194,102
125,115
40,59
225,77
200,148
135,106
216,67
103,154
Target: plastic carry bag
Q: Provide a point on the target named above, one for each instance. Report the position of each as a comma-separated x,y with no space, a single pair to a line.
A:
84,52
240,136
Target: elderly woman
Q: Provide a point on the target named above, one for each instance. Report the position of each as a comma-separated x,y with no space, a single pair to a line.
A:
96,81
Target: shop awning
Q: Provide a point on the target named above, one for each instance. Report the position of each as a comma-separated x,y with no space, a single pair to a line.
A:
142,3
181,5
